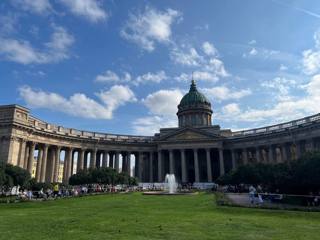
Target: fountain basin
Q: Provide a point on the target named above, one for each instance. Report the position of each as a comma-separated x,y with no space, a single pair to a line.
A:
159,193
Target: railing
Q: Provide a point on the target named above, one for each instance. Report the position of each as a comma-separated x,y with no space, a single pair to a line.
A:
41,125
279,127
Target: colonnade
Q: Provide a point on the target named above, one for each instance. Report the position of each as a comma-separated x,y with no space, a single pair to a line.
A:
46,163
274,153
188,164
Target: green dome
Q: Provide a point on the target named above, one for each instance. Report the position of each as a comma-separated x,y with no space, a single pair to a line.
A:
193,97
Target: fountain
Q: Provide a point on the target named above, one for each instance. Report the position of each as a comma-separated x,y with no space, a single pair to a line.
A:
170,186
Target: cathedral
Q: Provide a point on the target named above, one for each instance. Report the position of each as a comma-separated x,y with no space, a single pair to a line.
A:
196,151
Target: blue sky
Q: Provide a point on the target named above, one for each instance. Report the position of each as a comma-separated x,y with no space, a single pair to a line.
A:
123,66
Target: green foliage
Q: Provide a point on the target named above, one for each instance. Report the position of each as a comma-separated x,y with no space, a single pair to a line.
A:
13,175
19,175
301,176
101,176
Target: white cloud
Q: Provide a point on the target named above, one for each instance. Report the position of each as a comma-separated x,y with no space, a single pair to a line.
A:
280,87
8,24
186,56
110,76
285,109
231,109
205,76
151,124
149,27
311,61
283,67
252,42
90,9
253,52
79,104
183,77
209,66
151,77
311,57
163,102
209,49
216,66
35,6
224,93
162,106
117,95
264,53
21,51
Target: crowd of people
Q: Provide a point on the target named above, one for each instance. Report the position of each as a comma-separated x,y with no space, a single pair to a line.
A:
60,191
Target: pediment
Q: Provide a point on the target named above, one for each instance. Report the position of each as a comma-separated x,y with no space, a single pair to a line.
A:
189,134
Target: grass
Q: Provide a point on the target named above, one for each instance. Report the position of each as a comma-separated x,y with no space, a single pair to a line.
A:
135,216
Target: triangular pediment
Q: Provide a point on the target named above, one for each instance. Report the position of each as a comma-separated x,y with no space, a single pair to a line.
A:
189,134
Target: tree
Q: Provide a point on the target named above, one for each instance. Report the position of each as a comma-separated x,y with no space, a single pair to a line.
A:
101,176
17,175
300,176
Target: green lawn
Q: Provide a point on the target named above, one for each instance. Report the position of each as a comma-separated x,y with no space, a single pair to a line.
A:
135,216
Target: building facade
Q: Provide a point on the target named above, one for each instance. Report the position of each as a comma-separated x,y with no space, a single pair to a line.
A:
195,151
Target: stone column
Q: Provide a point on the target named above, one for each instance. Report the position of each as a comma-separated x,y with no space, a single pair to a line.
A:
129,163
159,166
183,166
136,167
270,154
311,145
298,150
80,160
26,156
31,157
44,163
22,152
57,164
245,156
209,172
140,169
151,168
124,162
111,156
93,158
39,163
196,165
258,155
233,159
171,162
65,167
51,169
68,157
105,159
116,162
284,156
221,161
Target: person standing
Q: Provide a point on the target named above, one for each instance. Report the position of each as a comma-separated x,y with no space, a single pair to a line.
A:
252,192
